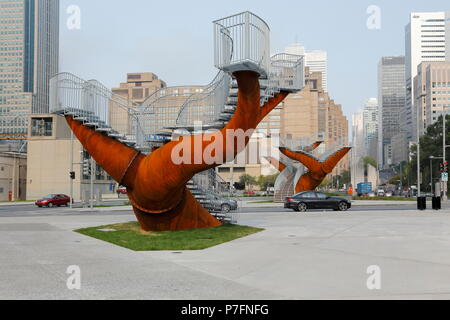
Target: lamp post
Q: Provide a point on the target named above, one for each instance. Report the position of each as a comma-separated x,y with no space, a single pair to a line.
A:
418,123
431,173
444,138
431,169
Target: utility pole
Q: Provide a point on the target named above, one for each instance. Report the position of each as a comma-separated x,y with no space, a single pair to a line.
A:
401,178
92,182
418,123
444,136
71,169
431,173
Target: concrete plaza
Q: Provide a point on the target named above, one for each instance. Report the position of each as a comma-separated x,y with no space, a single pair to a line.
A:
316,255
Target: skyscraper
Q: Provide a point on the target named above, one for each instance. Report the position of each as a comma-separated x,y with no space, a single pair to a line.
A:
29,45
316,60
425,41
432,91
358,151
391,100
371,128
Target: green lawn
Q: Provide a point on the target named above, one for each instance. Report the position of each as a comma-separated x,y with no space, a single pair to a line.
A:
384,198
129,235
261,202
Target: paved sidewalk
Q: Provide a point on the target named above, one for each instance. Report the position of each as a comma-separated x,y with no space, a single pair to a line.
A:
299,256
357,203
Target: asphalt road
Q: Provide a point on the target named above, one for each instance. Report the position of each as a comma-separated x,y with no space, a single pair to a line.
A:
310,255
32,211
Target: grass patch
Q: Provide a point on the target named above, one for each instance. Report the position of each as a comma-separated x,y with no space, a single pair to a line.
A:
384,198
112,206
261,202
336,195
130,236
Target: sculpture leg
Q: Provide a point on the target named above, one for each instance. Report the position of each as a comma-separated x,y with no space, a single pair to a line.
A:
156,185
189,214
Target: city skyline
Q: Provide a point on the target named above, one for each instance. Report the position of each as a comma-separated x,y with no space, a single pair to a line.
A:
28,58
144,45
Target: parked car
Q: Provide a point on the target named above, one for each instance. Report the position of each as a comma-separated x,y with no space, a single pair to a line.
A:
220,204
249,193
304,201
122,190
53,200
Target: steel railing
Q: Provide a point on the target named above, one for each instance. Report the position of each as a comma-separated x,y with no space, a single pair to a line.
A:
93,104
251,43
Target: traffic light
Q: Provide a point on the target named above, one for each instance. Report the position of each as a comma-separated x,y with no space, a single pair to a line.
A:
445,166
72,175
86,167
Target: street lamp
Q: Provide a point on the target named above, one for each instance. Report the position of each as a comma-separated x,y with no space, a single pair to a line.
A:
445,146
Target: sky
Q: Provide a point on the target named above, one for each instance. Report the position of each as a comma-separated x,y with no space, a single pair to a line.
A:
174,39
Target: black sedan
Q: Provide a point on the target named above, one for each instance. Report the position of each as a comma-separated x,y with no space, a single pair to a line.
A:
304,201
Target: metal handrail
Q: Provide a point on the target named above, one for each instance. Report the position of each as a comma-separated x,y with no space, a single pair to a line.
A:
91,102
220,84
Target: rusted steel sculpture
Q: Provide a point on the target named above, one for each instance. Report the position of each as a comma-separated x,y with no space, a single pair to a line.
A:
282,165
156,185
278,164
317,169
300,178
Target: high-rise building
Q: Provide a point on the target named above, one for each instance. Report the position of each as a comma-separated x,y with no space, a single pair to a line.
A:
308,115
425,41
358,151
370,115
316,60
139,86
432,91
311,113
391,103
29,45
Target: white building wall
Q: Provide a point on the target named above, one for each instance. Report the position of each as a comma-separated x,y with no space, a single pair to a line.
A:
425,41
370,124
316,60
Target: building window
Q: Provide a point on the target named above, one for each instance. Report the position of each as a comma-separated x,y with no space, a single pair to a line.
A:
134,77
224,170
42,127
138,94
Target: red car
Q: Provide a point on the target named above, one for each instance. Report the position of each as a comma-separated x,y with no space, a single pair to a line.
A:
122,190
53,200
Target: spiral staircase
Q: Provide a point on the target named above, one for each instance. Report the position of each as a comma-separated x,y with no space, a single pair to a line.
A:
241,42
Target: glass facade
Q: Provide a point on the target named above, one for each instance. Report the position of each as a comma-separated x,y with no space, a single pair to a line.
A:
392,100
42,127
29,45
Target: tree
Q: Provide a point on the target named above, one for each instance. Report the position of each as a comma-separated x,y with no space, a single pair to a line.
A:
430,145
371,161
325,183
265,182
345,178
247,180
